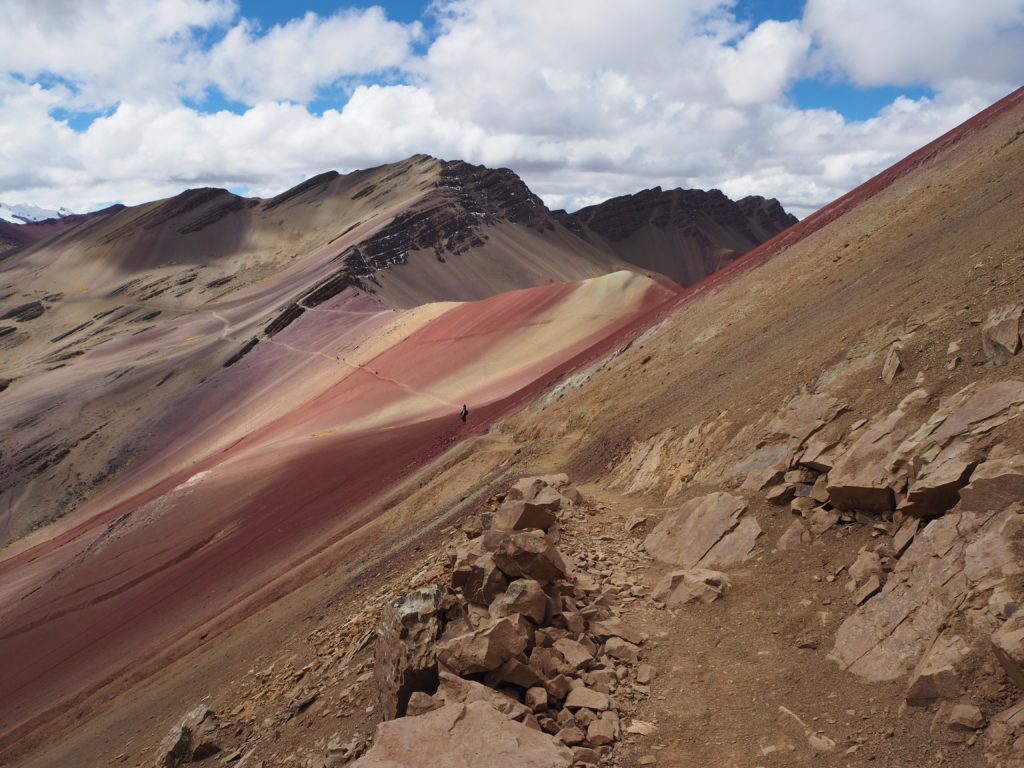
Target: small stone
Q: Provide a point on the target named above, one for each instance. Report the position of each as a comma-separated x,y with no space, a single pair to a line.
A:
965,717
536,699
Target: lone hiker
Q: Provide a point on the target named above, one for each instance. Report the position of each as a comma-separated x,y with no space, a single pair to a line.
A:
464,413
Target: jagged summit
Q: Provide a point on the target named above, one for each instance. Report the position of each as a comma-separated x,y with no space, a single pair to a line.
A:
685,234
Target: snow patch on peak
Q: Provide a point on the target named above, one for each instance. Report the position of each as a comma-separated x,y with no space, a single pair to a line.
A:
23,214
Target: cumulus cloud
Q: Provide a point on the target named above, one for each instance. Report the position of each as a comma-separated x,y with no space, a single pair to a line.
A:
291,61
907,42
583,104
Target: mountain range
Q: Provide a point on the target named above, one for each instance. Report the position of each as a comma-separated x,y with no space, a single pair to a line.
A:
732,488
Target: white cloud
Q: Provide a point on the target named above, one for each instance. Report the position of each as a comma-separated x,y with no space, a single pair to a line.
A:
907,42
291,61
584,104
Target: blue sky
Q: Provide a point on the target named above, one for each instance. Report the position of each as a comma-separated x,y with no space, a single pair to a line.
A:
132,100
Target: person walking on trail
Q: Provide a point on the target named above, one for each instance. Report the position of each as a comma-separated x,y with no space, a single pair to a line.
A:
464,413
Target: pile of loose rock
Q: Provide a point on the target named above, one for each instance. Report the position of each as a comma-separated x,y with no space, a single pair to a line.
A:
516,644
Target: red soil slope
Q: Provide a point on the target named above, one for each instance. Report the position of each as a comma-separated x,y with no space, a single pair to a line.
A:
188,540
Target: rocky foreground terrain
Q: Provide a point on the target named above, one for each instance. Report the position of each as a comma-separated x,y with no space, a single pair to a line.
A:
775,523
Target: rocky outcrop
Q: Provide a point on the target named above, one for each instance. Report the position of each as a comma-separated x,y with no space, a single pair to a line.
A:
519,637
404,655
191,740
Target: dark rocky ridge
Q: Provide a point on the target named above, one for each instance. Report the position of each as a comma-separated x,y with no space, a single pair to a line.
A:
684,233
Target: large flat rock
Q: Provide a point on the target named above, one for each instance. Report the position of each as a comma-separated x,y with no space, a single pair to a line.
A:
471,735
707,531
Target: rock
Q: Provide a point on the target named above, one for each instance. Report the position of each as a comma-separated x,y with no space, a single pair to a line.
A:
1008,644
965,717
902,538
937,676
779,494
867,564
453,689
526,489
536,699
476,574
936,488
819,455
641,728
192,739
587,698
887,636
575,655
521,515
606,628
892,364
860,478
822,520
870,588
645,674
463,736
404,659
623,650
570,736
995,483
795,535
1000,334
523,596
585,756
690,586
420,703
804,415
525,554
634,522
604,730
482,650
709,530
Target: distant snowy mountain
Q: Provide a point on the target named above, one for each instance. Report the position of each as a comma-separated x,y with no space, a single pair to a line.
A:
23,214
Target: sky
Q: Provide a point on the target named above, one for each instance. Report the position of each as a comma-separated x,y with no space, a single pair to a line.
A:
107,101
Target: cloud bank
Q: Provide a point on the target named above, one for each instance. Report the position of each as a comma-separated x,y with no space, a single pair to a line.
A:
135,100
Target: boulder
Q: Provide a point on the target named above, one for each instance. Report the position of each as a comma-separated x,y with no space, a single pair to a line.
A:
521,515
482,650
404,659
587,698
1000,333
420,703
476,574
995,483
936,488
965,717
861,478
705,531
525,489
463,736
190,740
523,596
604,730
453,689
575,655
525,554
691,586
623,650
